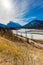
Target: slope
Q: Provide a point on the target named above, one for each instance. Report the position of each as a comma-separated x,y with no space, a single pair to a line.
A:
15,53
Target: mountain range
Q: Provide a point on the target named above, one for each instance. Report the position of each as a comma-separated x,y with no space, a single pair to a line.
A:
32,24
11,24
1,25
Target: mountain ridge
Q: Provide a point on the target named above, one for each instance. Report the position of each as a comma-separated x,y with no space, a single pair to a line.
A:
13,24
10,24
34,24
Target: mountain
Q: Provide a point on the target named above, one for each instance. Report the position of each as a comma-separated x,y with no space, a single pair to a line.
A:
13,24
34,24
2,25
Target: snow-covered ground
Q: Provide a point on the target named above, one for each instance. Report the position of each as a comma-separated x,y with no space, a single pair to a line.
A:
30,33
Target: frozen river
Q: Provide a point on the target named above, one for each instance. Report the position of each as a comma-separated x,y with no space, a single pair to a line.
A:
33,34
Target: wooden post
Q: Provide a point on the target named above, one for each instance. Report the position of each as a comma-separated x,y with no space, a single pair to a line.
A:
21,34
16,32
26,36
31,36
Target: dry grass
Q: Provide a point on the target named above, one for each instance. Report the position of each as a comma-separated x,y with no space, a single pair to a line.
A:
14,53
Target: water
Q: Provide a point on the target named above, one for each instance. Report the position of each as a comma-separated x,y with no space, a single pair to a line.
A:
33,34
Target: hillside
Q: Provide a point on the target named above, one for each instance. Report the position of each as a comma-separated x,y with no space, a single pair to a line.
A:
15,53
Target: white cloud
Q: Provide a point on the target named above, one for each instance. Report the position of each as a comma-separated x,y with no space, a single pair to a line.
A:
11,11
24,21
14,10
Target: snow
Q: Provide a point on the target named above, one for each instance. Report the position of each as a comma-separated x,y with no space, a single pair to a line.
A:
29,33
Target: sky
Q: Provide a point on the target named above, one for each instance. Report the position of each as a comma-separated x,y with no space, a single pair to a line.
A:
20,11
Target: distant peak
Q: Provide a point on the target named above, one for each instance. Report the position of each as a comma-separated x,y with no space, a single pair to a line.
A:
13,24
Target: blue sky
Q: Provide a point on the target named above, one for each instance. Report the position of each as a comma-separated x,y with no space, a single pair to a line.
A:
20,11
36,10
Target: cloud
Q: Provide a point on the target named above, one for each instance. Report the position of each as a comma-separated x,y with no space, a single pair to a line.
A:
24,21
16,10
